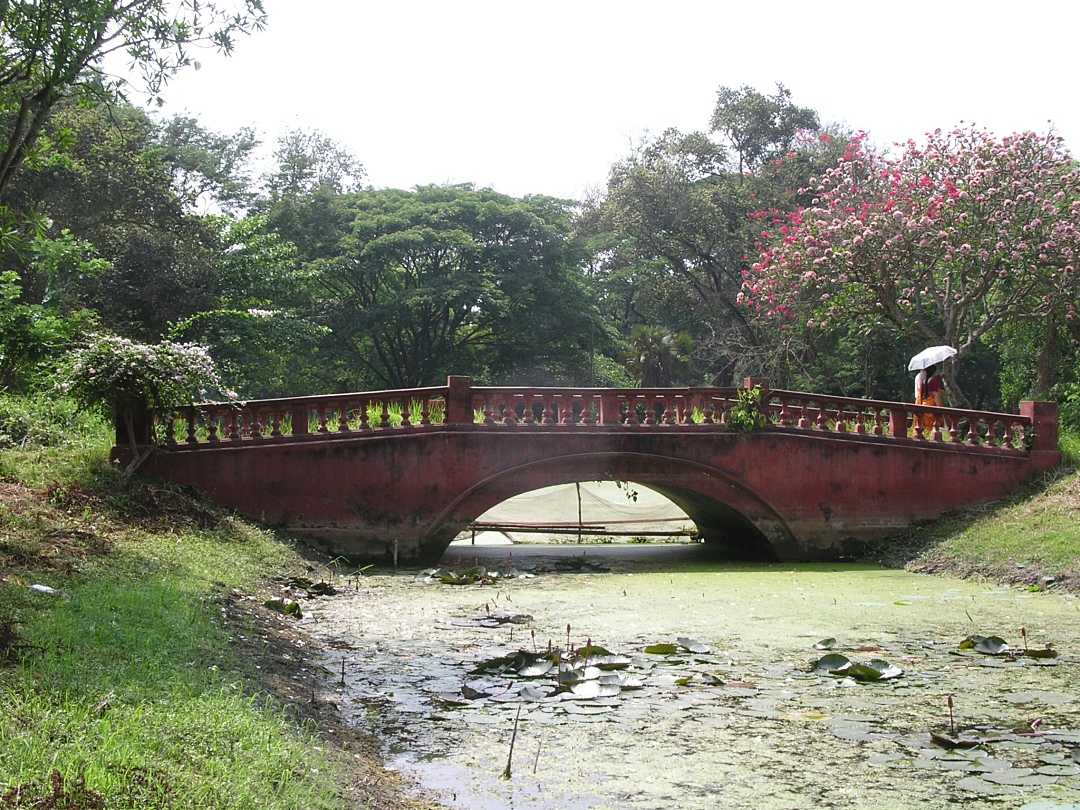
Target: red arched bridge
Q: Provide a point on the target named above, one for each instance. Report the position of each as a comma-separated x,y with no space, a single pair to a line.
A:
399,473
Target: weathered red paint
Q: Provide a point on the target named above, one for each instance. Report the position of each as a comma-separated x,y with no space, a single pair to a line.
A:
783,492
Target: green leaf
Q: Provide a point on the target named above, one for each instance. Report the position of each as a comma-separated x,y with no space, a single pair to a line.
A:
832,664
662,649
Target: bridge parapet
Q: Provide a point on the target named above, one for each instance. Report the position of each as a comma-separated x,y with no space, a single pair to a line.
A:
460,405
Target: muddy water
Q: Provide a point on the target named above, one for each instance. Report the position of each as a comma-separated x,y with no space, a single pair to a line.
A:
743,725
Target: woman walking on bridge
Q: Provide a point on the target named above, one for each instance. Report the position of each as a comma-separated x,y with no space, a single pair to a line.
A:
929,391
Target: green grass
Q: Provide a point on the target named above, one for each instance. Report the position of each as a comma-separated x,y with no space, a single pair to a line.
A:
129,680
1032,535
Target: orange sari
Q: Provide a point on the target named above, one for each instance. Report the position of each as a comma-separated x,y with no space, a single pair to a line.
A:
928,392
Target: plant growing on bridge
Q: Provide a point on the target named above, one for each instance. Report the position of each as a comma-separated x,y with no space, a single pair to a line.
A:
746,414
126,376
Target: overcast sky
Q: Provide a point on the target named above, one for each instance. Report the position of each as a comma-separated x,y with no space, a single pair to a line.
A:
543,96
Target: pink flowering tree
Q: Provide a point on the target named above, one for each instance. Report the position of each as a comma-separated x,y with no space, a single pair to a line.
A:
945,242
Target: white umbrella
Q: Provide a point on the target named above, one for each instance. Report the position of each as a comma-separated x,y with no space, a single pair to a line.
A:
930,357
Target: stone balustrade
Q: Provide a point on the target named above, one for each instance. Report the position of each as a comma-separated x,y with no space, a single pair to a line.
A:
459,405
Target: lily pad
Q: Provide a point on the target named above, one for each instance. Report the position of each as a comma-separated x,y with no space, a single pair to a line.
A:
832,664
946,741
610,661
693,646
586,689
536,669
662,649
1047,652
590,651
987,645
876,669
535,693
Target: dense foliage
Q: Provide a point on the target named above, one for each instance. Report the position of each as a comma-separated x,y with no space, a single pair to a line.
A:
766,244
946,242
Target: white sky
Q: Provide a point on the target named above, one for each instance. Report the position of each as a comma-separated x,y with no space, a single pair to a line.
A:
543,96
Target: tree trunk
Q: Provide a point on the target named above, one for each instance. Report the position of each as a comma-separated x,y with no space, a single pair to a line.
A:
955,395
1047,363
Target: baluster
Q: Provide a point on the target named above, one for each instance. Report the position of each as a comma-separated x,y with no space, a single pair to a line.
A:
708,409
879,428
343,417
509,412
320,411
588,415
255,426
821,422
489,414
917,420
189,416
804,421
953,426
275,423
234,427
841,419
1009,435
785,414
211,425
425,412
860,422
406,413
999,433
365,420
936,435
548,415
170,429
650,410
973,431
565,410
686,413
527,415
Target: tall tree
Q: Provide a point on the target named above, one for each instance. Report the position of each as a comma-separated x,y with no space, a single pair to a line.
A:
50,49
454,279
308,161
673,225
945,242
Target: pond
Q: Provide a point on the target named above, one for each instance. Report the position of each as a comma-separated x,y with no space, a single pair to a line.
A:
732,714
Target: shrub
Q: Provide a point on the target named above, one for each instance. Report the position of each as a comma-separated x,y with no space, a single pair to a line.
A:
43,420
746,414
114,370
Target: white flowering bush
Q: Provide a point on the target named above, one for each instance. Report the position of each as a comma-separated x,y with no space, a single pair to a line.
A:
120,373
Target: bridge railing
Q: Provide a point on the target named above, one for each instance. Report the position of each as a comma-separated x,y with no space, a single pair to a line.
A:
898,420
582,407
292,418
460,404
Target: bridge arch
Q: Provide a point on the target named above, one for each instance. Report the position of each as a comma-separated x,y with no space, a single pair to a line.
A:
738,522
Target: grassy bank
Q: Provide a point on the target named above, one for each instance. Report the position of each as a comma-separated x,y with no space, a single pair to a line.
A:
1032,538
128,685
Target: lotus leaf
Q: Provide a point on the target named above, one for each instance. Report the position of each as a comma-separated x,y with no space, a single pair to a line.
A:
833,664
662,649
987,645
693,646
